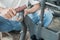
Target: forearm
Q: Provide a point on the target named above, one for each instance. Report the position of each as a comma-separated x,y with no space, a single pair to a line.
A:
34,8
20,8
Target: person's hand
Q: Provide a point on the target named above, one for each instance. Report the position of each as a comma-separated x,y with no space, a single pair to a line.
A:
26,11
8,13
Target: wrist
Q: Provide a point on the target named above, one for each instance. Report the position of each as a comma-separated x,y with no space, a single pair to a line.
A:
29,10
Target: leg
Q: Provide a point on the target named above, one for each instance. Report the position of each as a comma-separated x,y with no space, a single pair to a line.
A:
35,30
5,25
32,28
18,24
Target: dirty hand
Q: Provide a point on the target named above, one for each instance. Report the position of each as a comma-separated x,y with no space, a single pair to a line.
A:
26,11
8,13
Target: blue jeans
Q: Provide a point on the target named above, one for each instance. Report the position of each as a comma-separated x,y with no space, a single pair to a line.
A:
47,17
8,25
34,30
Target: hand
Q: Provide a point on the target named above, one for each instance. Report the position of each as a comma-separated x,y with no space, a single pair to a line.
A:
26,11
19,19
8,13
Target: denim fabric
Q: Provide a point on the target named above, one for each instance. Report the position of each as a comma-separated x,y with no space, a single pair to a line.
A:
35,30
47,17
8,25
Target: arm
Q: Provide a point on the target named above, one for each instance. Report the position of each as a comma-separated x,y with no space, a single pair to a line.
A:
10,12
31,10
19,9
34,8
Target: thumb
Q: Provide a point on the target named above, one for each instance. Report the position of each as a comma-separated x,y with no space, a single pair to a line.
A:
25,13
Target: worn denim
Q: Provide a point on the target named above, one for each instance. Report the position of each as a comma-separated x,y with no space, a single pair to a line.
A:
9,25
47,17
35,30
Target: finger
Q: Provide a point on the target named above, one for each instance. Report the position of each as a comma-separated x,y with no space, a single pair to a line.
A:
13,11
7,15
25,14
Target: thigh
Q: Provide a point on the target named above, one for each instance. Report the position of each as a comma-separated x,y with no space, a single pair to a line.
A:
17,26
5,25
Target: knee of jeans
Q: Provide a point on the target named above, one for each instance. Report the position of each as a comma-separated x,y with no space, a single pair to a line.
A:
48,18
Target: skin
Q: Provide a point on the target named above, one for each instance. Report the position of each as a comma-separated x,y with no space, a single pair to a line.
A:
31,10
10,12
7,13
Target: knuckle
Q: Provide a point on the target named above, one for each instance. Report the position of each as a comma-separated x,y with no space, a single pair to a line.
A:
8,10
